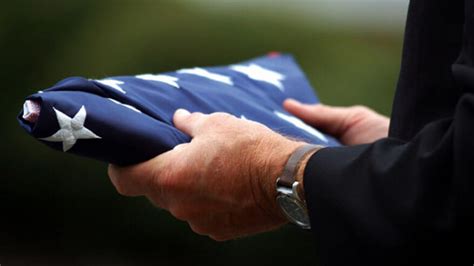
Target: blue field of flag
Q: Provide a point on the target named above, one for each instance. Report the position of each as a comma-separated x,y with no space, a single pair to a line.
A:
128,119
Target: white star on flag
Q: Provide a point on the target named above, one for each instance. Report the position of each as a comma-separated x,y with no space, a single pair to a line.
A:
71,129
114,84
300,124
161,78
256,72
204,73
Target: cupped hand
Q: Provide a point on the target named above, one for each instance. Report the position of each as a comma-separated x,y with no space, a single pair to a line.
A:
351,125
222,183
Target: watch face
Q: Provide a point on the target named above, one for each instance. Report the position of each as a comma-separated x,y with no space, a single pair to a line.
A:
294,210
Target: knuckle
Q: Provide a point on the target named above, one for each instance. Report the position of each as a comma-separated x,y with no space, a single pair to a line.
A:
115,174
219,238
198,229
194,116
122,188
222,115
316,107
360,109
180,213
156,201
219,117
119,181
111,171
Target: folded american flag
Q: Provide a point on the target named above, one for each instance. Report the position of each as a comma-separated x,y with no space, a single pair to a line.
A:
128,119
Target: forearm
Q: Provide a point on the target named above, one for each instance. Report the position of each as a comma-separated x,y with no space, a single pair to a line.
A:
392,196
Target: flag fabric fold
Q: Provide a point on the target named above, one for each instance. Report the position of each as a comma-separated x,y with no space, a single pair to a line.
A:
128,119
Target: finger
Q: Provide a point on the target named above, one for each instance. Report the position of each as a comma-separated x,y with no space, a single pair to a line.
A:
187,122
332,120
229,225
139,179
130,180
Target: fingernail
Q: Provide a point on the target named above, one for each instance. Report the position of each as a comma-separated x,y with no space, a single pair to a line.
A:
293,101
182,112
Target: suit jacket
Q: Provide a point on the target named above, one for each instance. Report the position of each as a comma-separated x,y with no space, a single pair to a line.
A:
410,196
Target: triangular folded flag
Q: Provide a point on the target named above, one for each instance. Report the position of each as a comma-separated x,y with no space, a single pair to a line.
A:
128,119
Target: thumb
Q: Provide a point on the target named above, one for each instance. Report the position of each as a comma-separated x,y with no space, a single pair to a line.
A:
330,119
187,122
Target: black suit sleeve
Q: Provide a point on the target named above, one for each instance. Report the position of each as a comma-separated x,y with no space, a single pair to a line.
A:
404,197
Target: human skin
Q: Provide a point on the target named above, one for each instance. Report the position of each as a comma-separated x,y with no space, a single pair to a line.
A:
222,183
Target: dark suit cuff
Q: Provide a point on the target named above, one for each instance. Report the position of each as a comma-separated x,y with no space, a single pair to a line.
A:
326,184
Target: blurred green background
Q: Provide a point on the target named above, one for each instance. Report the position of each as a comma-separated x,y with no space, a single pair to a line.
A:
58,209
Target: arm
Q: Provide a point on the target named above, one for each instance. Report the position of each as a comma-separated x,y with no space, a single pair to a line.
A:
392,200
223,183
410,196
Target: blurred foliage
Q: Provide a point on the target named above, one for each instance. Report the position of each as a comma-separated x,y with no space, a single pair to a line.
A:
58,209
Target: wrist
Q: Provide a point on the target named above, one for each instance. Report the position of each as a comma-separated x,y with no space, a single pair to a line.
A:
290,193
268,171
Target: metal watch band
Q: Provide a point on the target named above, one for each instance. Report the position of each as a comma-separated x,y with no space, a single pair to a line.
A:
288,176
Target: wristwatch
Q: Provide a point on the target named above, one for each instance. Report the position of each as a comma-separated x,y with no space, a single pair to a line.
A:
289,191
